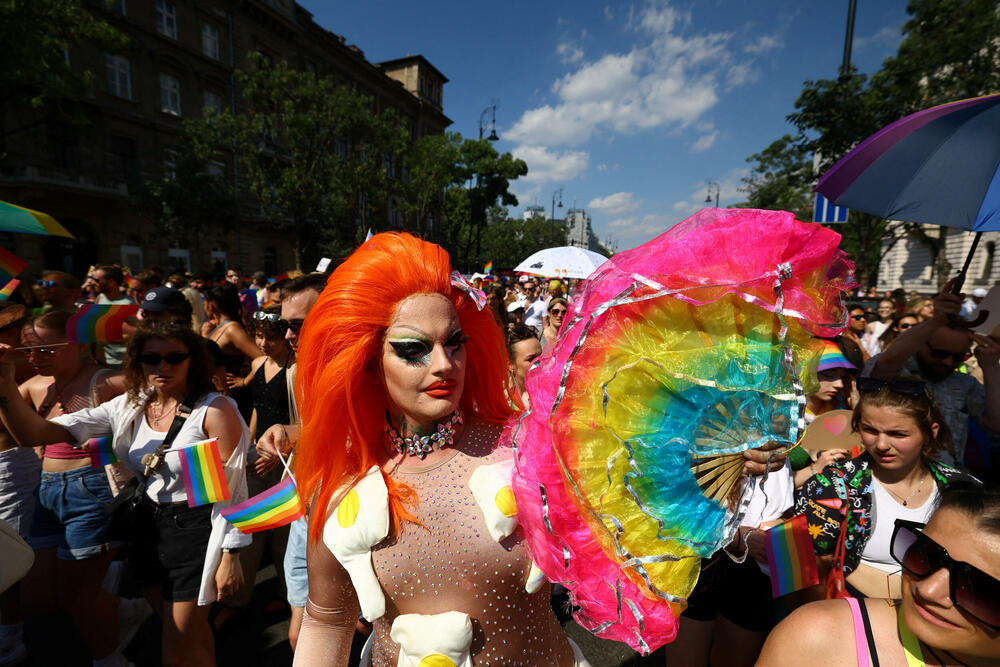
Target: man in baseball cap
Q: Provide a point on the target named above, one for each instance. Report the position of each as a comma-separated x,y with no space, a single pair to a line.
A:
165,303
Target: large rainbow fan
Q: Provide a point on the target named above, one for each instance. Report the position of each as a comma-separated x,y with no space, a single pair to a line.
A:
676,357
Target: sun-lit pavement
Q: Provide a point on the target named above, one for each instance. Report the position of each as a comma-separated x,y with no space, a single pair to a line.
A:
255,639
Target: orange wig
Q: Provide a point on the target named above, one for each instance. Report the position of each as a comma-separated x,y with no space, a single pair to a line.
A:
339,385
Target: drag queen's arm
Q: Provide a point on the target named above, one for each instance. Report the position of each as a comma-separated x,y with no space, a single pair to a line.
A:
330,615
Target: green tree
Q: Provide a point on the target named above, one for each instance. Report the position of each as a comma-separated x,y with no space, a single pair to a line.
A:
313,154
36,36
507,241
432,166
781,178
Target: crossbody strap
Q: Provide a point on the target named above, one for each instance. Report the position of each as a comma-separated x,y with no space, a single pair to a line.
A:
153,461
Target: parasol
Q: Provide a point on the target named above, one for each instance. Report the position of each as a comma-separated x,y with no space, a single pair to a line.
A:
939,166
676,357
15,218
562,262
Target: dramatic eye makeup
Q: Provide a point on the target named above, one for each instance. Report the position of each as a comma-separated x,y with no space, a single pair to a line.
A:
414,351
457,339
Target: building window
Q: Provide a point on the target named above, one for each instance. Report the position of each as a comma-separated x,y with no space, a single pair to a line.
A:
166,18
119,76
216,169
118,7
340,147
270,261
210,41
179,259
170,163
125,158
213,101
64,147
170,95
132,256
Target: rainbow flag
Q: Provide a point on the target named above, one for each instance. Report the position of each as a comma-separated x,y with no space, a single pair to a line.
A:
790,556
272,508
10,265
488,266
99,324
101,452
9,289
204,477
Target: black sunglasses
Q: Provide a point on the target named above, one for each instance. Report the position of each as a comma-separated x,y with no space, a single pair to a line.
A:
47,283
295,326
944,354
906,325
858,317
867,385
172,358
972,590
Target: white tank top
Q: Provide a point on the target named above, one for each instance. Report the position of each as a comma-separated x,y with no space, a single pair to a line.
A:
885,511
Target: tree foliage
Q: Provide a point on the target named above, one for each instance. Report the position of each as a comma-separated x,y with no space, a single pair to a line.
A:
36,35
507,241
950,50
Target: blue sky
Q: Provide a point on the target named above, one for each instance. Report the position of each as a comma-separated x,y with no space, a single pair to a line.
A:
631,108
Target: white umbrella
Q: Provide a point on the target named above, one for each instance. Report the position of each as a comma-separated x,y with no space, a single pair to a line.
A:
562,262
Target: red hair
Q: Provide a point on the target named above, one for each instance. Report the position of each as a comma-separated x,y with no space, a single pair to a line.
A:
339,386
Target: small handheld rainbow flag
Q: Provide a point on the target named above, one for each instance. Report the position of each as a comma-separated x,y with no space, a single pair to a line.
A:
101,452
99,324
204,476
488,267
275,507
790,556
10,265
9,289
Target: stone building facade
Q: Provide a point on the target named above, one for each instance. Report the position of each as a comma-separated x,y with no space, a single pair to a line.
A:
910,264
181,57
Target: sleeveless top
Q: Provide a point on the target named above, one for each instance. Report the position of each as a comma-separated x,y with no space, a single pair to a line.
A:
270,399
233,363
864,638
451,563
64,450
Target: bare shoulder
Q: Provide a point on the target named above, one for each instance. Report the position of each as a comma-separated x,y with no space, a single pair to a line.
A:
34,388
819,631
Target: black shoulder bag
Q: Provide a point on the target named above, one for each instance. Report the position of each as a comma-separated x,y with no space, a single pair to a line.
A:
132,506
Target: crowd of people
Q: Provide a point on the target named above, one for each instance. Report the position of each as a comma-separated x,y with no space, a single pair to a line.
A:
384,386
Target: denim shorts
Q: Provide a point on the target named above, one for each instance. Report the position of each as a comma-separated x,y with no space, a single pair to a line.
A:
72,513
20,472
296,576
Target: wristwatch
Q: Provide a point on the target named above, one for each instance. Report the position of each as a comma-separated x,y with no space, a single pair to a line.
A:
233,550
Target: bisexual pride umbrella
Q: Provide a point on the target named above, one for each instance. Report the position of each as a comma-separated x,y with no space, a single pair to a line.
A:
15,218
937,166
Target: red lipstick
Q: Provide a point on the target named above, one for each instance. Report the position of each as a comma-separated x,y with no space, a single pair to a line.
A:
441,389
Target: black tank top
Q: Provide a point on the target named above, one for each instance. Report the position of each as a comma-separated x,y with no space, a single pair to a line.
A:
270,399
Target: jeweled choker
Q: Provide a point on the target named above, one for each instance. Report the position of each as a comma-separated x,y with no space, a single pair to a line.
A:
421,445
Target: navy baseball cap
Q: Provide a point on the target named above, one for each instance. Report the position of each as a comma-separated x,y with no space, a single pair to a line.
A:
159,299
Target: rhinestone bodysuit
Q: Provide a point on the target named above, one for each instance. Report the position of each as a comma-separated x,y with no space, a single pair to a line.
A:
451,563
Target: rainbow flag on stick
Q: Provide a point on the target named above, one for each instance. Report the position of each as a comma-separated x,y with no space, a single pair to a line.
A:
10,265
204,476
101,452
9,289
272,508
99,324
488,266
790,556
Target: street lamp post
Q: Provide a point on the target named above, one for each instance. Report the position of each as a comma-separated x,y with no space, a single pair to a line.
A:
492,110
558,193
713,186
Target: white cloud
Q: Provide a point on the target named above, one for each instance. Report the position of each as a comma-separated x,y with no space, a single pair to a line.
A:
634,230
545,165
764,44
602,167
569,53
669,78
608,13
704,142
617,204
887,38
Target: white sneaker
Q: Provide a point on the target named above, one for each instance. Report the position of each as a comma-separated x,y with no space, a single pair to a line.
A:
132,613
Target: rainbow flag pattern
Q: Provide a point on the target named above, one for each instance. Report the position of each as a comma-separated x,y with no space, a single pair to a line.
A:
204,476
275,507
101,452
9,289
488,266
10,265
99,324
790,556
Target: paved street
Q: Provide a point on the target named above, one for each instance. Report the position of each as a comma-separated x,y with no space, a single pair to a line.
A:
258,640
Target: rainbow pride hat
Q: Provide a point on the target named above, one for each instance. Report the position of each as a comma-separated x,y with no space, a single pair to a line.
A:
832,358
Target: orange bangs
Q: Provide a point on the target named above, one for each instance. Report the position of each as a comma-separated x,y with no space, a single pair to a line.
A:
339,387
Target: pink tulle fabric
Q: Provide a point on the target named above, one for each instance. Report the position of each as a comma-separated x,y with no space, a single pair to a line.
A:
713,253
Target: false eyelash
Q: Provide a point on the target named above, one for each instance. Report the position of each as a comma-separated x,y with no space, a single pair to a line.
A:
411,351
457,339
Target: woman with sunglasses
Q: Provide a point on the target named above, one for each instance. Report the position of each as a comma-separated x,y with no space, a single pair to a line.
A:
553,319
896,477
855,331
186,557
950,608
899,324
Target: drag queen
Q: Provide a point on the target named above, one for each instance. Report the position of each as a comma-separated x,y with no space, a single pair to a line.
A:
404,392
